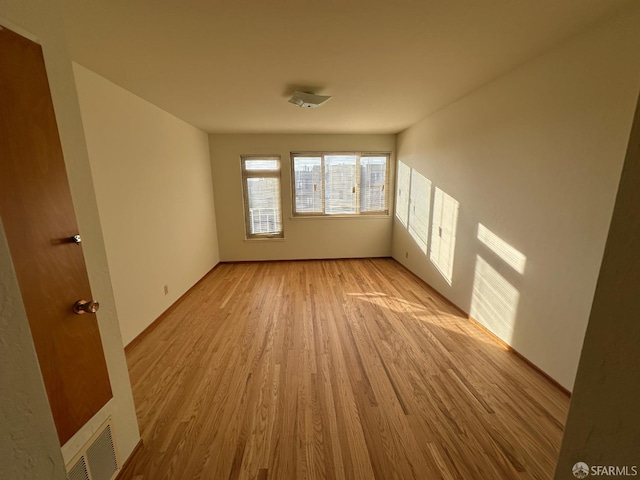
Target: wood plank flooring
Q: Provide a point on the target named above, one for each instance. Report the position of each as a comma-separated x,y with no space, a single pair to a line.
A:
337,369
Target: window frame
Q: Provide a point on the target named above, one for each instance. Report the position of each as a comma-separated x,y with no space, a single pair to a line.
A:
246,174
357,213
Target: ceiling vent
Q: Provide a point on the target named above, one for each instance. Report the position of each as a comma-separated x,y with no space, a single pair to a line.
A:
308,100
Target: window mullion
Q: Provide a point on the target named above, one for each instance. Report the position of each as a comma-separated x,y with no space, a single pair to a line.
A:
357,184
322,183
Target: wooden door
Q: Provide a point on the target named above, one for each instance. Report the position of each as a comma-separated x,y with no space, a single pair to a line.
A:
39,221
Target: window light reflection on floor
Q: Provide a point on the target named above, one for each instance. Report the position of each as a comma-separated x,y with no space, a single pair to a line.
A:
445,319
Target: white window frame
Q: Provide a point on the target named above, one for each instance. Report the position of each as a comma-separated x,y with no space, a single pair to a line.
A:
246,174
358,213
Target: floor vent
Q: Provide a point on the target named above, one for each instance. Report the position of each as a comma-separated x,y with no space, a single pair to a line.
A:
79,471
98,459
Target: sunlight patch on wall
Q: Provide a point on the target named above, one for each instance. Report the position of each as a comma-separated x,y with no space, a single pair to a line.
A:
506,252
443,233
419,207
494,301
402,193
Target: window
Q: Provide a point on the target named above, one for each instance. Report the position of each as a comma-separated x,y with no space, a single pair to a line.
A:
340,183
261,188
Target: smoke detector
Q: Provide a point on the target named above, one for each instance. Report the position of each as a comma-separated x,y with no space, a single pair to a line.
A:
308,100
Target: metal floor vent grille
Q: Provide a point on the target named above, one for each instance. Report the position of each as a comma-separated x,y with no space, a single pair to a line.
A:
79,471
101,456
98,459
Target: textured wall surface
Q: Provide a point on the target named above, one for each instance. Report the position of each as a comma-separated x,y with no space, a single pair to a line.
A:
29,446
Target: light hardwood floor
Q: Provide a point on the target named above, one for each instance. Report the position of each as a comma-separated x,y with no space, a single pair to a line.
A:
337,369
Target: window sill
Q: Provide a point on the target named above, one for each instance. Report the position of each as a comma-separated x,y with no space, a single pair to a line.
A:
339,217
265,239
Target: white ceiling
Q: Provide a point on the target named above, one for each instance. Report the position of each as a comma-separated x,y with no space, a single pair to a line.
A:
230,65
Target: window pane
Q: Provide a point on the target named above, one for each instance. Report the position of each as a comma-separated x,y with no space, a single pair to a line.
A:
340,184
257,165
308,184
373,176
264,206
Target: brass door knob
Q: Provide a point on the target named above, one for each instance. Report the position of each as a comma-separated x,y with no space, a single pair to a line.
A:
85,306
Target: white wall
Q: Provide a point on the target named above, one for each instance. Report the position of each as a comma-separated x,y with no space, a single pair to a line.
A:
33,452
535,157
304,238
152,177
602,426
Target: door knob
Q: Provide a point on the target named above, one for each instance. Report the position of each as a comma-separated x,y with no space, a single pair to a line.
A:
85,306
